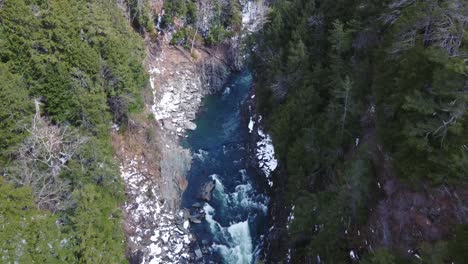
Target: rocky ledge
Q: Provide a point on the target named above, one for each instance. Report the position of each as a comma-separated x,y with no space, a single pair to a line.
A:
153,170
179,83
156,233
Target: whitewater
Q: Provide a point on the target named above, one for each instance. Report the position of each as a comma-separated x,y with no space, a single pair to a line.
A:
235,218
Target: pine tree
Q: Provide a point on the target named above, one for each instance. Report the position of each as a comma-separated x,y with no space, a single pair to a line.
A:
15,109
28,235
97,227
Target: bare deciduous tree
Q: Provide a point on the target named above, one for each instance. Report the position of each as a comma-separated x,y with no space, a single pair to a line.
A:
41,159
455,111
442,24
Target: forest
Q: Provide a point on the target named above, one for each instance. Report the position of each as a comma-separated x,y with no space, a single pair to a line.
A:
68,71
354,93
347,84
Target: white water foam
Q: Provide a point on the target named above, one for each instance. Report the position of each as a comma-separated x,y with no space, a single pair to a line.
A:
240,248
227,91
219,190
243,173
244,197
237,236
201,154
215,227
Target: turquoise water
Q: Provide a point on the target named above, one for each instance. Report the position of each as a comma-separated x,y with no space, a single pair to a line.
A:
236,215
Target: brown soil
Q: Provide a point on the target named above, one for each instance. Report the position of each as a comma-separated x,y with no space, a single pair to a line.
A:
139,140
403,218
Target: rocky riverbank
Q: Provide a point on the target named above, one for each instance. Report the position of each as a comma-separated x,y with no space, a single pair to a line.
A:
153,163
262,158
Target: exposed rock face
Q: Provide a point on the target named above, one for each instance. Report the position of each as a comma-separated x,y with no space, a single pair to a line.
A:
214,74
156,228
207,190
156,233
177,91
179,83
154,176
254,14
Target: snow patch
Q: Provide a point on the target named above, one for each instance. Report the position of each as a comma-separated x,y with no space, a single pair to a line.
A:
251,125
353,255
290,217
176,99
265,153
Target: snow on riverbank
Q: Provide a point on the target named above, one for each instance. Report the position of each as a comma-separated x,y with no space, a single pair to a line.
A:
160,234
266,155
264,151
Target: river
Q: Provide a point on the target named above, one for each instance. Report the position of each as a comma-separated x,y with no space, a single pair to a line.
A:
236,216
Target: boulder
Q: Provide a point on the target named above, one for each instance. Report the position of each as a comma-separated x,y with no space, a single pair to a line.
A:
197,205
190,125
198,253
196,218
191,115
207,190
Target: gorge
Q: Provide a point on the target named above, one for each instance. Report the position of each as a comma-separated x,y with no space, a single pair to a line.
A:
236,213
234,131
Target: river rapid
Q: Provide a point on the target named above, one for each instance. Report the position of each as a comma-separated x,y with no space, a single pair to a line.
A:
236,216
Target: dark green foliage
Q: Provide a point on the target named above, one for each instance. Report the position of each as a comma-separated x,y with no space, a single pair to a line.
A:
29,235
452,250
83,62
184,9
96,223
331,73
216,35
233,15
458,246
381,256
15,109
73,57
182,37
423,120
140,14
